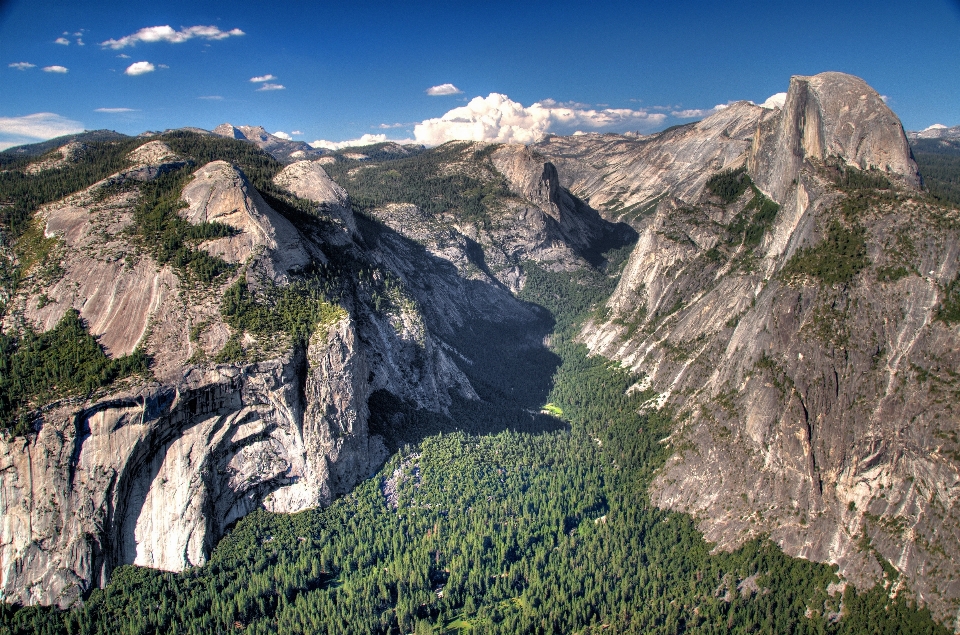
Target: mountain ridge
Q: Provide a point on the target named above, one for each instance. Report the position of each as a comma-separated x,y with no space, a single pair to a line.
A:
763,242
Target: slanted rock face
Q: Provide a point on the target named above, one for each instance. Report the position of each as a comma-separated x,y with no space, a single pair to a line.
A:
221,193
308,180
803,416
831,114
624,177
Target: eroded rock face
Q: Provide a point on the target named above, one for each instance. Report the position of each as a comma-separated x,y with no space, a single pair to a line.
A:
153,474
625,177
221,193
801,410
308,180
831,114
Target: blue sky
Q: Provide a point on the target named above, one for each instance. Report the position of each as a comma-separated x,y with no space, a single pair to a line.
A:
336,70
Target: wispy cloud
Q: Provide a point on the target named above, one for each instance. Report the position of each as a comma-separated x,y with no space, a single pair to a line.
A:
140,68
262,78
55,69
497,118
62,40
272,87
115,110
123,56
695,113
35,127
389,126
168,34
22,66
296,132
443,89
211,97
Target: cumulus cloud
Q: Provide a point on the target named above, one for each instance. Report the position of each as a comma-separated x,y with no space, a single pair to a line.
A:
497,118
272,87
55,69
115,110
282,135
35,127
262,78
776,100
139,68
699,113
444,89
22,66
80,42
168,34
62,40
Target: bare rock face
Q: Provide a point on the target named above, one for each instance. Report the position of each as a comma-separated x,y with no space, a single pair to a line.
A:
831,114
153,473
800,405
281,149
308,180
221,193
625,177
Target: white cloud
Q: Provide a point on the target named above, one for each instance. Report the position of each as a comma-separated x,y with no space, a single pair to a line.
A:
38,126
272,87
168,34
162,66
444,89
775,101
697,112
297,132
62,40
115,110
211,97
139,68
364,140
884,98
123,56
262,78
497,118
936,126
55,69
80,42
388,126
22,66
282,135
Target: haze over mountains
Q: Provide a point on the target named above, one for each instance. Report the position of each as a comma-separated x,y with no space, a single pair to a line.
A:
790,298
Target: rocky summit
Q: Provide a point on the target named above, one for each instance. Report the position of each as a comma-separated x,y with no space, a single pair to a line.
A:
788,297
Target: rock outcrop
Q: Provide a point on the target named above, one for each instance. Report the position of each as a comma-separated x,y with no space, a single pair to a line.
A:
830,115
284,150
154,473
802,412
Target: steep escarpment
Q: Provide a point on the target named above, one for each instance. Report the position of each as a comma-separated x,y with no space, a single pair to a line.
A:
269,326
790,313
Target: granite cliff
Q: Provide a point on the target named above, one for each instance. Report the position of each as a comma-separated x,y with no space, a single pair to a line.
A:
786,302
153,470
791,299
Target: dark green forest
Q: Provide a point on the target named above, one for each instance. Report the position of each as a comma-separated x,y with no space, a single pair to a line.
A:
939,163
527,512
538,527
